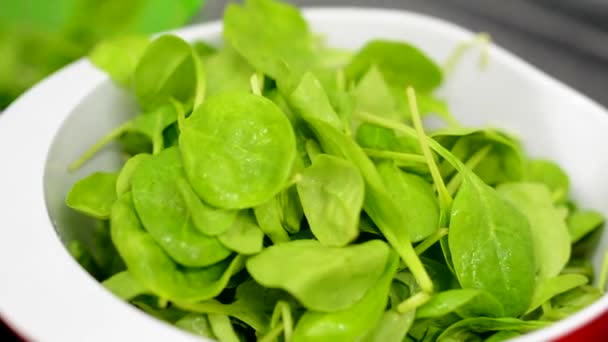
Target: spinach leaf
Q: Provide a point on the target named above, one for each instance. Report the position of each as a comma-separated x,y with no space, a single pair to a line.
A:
123,182
484,304
445,302
491,246
268,216
227,71
273,37
416,199
567,303
244,237
208,220
166,216
222,328
322,278
551,287
124,286
550,174
94,195
484,324
393,326
583,222
503,163
119,56
352,323
197,324
377,202
254,150
550,237
169,68
150,265
373,95
400,63
331,191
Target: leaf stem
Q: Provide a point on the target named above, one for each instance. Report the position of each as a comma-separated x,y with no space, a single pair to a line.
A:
431,240
413,302
101,143
445,198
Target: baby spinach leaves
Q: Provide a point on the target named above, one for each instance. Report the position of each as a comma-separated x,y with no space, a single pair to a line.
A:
94,195
253,148
169,68
273,37
352,323
331,191
166,216
321,278
491,246
550,237
246,209
150,265
401,65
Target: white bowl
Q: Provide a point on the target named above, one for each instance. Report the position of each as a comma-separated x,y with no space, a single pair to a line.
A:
46,296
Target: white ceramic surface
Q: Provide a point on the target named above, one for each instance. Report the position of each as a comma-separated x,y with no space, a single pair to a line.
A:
46,296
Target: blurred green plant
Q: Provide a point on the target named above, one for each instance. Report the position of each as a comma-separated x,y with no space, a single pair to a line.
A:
38,37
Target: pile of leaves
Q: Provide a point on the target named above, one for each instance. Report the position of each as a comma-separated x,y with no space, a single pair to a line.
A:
279,189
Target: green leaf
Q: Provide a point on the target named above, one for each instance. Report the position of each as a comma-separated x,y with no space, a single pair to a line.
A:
415,197
169,68
197,324
244,237
393,326
273,37
401,64
550,174
124,286
549,288
373,95
550,237
445,302
119,56
154,269
227,71
254,149
377,202
503,163
484,324
94,195
354,322
322,278
331,191
123,182
208,220
222,328
491,246
166,216
268,216
583,222
310,99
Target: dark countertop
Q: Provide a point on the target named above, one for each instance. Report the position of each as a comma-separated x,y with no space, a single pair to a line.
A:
566,39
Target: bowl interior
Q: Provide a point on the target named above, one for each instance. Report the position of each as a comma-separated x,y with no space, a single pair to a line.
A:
552,121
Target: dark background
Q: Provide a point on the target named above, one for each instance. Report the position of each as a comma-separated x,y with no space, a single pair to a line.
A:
567,39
